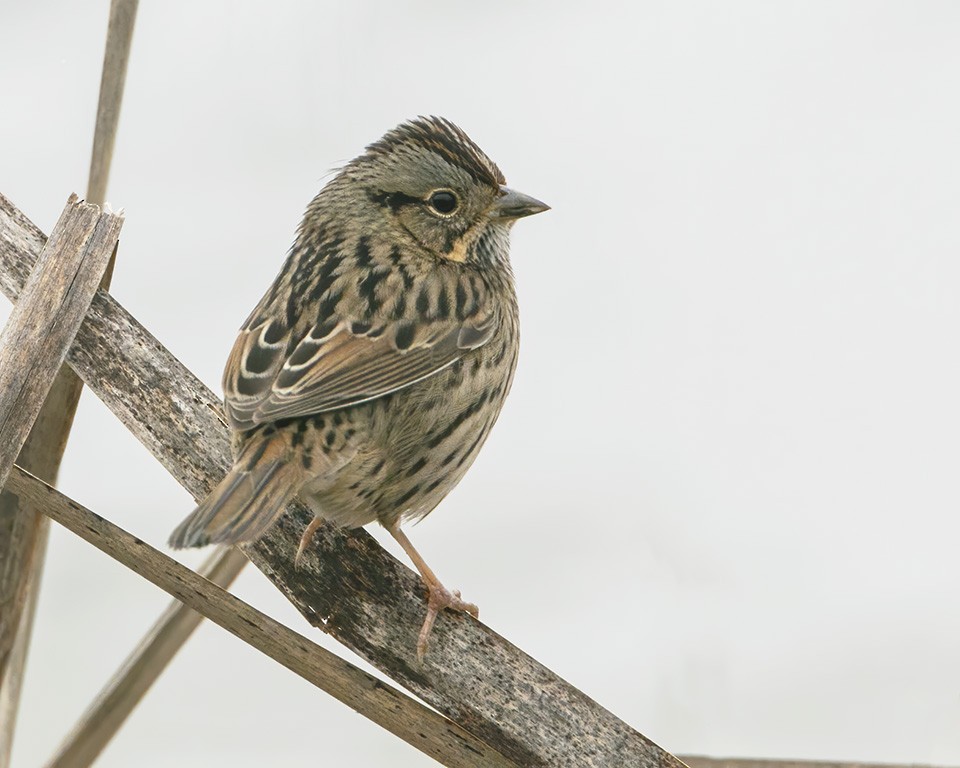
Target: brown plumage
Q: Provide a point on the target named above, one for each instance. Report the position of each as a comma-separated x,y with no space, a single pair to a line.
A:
369,375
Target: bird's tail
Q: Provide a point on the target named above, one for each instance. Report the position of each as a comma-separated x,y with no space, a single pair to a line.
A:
247,501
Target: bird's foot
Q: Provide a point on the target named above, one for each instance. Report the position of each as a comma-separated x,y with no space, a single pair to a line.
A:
440,597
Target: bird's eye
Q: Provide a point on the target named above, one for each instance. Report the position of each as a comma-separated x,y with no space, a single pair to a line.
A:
444,202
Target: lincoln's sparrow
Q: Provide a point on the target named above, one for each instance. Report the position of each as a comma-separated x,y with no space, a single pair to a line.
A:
371,372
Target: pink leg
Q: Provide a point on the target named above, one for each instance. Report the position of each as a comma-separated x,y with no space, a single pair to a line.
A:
306,539
439,597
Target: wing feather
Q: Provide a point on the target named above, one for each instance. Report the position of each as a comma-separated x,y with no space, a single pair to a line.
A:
270,376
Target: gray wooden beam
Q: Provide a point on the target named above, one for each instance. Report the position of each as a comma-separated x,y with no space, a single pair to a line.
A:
23,532
33,346
386,706
47,316
140,670
699,761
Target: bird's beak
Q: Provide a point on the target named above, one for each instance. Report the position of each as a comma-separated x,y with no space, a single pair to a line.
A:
515,205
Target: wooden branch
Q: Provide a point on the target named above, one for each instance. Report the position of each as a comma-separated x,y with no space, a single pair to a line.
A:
33,346
389,708
16,661
45,320
140,670
347,584
699,761
123,15
23,532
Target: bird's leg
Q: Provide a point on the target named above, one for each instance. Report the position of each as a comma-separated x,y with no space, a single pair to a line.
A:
439,597
306,539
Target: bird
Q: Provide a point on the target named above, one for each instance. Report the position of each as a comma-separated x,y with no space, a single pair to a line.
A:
371,372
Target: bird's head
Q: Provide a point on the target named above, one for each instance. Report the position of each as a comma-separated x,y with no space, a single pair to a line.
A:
430,183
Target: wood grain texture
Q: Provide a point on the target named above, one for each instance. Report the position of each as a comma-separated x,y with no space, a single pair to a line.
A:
389,708
699,761
113,77
23,531
110,709
33,345
46,318
347,585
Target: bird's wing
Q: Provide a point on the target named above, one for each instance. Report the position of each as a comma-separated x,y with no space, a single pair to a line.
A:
270,375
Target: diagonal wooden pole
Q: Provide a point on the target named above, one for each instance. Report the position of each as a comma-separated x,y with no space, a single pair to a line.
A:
118,698
123,15
45,320
23,531
385,705
699,761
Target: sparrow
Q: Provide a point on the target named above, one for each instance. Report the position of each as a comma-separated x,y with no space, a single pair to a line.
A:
370,374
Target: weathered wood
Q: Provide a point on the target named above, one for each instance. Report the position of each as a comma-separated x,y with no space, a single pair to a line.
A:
23,532
32,348
699,761
389,708
46,318
33,345
16,662
110,709
123,15
347,584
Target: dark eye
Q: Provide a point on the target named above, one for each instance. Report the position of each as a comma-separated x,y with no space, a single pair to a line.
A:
443,202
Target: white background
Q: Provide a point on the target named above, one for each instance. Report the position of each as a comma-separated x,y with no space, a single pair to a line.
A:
722,499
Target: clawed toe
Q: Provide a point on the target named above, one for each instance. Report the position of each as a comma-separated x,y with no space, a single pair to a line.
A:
461,605
438,598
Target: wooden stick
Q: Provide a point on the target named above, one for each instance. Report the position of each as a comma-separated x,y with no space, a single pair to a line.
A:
699,761
140,670
45,320
424,729
123,15
347,584
16,663
33,346
23,532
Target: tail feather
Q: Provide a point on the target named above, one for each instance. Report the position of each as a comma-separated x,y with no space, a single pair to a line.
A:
245,503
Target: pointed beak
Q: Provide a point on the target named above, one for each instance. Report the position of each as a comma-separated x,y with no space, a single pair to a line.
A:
515,205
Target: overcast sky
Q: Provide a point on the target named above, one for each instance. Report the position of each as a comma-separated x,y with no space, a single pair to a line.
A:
722,498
